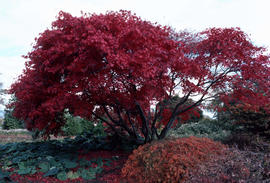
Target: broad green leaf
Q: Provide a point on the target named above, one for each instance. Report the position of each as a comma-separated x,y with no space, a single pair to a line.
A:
3,174
8,163
44,167
16,160
88,174
84,163
73,175
99,161
62,175
12,148
25,170
22,165
49,158
107,164
4,147
69,164
33,171
115,157
98,169
53,171
55,163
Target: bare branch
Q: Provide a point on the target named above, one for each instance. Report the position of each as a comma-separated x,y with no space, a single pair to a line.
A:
122,123
119,123
176,112
105,121
132,125
109,116
145,124
172,118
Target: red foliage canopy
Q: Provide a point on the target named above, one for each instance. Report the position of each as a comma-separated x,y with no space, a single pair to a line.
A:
114,66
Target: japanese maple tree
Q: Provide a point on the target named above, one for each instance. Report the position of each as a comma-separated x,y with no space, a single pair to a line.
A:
117,68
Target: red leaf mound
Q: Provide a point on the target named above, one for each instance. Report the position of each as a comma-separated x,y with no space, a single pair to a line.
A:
169,160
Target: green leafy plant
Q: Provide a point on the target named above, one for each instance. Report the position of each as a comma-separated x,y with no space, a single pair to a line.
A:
4,176
76,125
73,175
62,175
54,158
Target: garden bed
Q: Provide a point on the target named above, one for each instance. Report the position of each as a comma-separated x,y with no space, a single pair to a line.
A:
97,160
64,160
110,174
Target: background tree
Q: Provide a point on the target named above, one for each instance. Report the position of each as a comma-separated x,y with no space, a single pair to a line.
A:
254,119
9,121
1,101
114,67
1,93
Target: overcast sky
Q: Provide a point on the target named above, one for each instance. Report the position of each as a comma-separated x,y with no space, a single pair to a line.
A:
22,20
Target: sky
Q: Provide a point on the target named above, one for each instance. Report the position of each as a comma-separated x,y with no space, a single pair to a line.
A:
22,20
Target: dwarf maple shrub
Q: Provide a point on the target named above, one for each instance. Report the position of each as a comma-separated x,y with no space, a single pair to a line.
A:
116,68
168,160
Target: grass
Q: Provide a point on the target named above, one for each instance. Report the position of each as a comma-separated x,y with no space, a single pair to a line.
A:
14,136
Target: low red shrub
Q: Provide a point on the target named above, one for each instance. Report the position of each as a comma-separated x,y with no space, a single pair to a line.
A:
168,160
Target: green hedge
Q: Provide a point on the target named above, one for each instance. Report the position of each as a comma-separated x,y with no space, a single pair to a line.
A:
209,128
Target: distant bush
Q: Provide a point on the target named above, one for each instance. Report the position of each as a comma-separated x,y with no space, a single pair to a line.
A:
210,128
1,122
168,160
11,122
77,126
